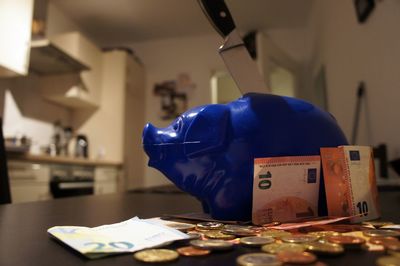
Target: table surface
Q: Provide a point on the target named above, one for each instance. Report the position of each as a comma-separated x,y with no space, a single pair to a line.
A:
24,241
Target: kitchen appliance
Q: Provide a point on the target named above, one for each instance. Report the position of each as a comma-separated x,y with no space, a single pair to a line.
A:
81,147
68,181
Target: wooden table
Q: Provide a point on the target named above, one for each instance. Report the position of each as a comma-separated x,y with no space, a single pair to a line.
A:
24,240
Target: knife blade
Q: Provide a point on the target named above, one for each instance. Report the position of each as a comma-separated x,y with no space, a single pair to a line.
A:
233,51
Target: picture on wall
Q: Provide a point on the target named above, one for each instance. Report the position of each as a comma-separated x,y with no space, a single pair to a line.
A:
174,96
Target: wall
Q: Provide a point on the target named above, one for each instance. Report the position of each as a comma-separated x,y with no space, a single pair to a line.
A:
164,60
353,52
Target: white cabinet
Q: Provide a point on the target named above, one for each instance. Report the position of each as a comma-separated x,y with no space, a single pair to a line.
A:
15,36
29,181
106,180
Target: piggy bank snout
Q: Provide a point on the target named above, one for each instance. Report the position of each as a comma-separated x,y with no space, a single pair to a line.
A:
150,135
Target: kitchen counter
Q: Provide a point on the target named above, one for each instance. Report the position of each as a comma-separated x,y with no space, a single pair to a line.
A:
60,160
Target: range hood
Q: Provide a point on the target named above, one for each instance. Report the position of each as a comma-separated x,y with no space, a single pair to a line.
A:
46,58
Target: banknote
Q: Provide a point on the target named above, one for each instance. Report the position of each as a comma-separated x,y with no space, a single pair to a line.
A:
285,188
350,182
127,236
312,222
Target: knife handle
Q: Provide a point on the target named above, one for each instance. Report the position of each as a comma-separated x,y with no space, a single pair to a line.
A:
219,16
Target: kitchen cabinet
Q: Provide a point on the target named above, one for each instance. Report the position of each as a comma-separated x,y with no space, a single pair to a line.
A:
15,36
75,90
30,176
106,180
29,181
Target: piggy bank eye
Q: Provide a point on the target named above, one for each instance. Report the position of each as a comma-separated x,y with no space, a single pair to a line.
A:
178,124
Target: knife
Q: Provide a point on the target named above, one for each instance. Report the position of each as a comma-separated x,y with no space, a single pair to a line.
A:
233,51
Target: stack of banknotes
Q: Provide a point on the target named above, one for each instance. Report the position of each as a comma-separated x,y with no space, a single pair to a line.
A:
287,188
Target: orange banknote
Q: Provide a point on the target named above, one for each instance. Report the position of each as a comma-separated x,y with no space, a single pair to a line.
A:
285,188
350,182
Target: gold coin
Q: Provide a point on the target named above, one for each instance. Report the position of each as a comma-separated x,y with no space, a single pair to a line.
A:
325,248
256,241
392,246
322,234
205,226
381,240
394,253
296,257
346,240
258,259
192,251
156,255
277,247
271,224
376,224
214,244
378,232
216,234
240,230
388,261
299,239
183,227
275,233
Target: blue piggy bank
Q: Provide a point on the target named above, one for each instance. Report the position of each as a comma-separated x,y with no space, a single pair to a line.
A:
209,150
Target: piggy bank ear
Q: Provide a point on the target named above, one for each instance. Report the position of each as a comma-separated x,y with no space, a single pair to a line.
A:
208,130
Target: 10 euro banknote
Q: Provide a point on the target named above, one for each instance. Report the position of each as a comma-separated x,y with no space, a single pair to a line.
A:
350,182
285,188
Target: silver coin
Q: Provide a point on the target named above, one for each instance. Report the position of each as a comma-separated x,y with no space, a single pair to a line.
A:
209,226
194,235
212,244
258,259
380,232
256,241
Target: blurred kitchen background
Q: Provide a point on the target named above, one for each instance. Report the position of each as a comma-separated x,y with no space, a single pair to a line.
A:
80,78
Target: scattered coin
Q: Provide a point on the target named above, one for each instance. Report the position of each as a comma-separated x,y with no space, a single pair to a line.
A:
194,235
299,239
277,247
214,244
392,246
192,251
240,230
380,240
322,234
391,226
271,224
379,232
275,233
376,224
388,261
216,234
156,255
184,227
205,226
325,248
258,259
296,257
256,241
394,253
346,241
